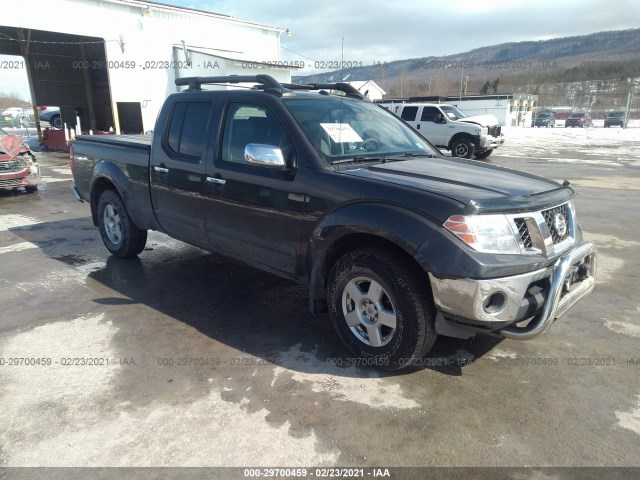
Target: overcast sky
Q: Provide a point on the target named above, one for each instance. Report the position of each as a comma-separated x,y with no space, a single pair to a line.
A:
383,30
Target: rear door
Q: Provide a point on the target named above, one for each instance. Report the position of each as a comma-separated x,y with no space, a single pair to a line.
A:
178,184
409,114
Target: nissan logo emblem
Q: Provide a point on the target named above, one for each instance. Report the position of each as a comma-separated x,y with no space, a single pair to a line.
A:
560,224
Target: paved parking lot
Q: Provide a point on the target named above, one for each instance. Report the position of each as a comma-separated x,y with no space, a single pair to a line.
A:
184,358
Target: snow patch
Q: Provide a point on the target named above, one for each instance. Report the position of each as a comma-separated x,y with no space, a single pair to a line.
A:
343,384
18,247
497,355
630,420
9,221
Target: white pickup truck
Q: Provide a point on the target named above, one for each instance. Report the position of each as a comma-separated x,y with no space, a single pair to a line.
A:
448,128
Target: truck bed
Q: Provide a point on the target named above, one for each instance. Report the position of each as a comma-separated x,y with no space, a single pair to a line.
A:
134,141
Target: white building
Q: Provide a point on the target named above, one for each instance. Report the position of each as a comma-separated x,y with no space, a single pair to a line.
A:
511,109
115,61
369,89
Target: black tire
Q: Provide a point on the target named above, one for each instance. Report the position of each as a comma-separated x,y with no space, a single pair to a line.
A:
463,148
484,154
31,188
56,122
404,297
121,237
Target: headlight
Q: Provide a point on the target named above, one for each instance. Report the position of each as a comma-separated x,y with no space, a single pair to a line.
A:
484,233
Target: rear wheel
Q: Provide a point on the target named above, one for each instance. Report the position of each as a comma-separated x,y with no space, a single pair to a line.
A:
381,309
56,121
121,237
463,148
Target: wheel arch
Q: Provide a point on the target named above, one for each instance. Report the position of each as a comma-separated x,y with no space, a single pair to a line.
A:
463,135
396,229
106,176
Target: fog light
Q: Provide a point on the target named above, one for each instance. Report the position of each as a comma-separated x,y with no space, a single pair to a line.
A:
495,303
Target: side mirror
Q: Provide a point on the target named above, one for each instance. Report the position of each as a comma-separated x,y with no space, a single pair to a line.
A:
265,156
440,119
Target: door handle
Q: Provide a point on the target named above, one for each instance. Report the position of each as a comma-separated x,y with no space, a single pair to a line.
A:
218,181
160,169
418,126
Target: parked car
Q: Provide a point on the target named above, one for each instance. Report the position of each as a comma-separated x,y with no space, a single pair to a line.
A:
545,119
614,119
13,112
396,242
448,128
51,115
578,119
18,166
16,117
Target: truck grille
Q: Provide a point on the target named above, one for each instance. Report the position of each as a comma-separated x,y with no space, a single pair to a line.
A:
558,222
523,231
548,232
11,166
495,131
11,183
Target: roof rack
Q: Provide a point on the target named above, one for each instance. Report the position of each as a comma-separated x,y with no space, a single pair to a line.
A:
348,90
268,83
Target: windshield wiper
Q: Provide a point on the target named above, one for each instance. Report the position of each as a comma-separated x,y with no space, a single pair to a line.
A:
404,156
358,159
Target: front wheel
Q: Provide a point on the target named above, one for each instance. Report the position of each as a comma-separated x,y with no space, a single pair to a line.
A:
380,307
463,148
119,234
484,154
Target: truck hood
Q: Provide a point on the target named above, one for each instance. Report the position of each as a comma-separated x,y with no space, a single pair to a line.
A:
482,120
478,186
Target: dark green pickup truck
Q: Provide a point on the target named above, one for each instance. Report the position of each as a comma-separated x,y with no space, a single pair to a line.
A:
317,184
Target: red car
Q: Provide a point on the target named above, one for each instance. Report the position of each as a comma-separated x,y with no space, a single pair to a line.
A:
578,119
18,166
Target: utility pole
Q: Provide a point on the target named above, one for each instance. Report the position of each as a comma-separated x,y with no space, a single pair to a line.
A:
461,81
627,111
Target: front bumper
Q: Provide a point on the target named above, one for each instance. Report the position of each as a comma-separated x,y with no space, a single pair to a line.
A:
487,143
499,304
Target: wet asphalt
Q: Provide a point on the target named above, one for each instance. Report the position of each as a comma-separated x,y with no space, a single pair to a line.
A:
182,357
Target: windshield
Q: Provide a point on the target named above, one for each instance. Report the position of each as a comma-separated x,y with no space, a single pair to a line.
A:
617,114
452,112
343,128
577,115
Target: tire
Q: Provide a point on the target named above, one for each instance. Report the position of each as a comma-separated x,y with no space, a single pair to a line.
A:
31,188
463,148
401,295
121,237
484,154
56,122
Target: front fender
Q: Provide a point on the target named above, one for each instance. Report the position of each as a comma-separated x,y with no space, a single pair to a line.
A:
358,225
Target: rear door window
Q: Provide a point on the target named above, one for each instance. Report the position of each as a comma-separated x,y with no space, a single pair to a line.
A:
188,127
409,113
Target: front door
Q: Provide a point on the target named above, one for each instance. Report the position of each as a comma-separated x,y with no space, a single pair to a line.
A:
434,125
254,211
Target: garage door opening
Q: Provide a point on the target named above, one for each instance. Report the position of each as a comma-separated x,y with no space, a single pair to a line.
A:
65,70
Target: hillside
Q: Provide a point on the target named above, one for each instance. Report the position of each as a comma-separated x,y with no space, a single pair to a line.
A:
604,57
